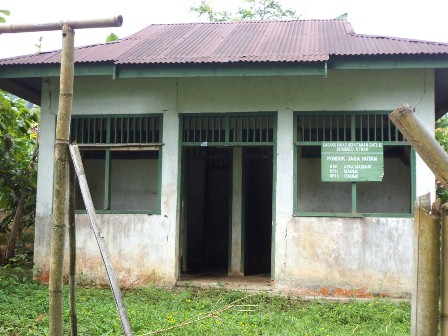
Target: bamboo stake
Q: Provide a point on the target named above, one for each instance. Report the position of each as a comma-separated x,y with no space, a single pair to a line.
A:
76,158
444,275
72,249
60,182
425,295
74,24
422,141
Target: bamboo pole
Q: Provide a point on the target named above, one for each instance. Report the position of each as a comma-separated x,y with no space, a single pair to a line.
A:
74,24
72,249
444,275
422,141
77,162
425,295
60,181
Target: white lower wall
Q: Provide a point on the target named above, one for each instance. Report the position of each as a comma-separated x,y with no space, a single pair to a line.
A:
368,254
135,244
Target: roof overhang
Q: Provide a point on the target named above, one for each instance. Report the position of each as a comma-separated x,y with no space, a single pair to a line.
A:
26,80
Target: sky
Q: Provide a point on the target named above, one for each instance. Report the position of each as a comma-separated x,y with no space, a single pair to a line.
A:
423,20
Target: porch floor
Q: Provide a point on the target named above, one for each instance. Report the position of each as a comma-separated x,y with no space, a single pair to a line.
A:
246,283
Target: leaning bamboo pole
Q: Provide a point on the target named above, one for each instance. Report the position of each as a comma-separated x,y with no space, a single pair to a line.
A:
60,181
422,141
87,198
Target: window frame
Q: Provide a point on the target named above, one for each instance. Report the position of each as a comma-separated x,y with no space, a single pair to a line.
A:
109,147
298,213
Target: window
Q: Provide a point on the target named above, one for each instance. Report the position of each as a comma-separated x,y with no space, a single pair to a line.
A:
390,197
234,129
121,157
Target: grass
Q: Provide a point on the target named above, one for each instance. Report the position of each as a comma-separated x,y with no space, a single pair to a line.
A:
24,306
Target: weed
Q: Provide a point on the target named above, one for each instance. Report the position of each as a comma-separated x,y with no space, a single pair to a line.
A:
24,311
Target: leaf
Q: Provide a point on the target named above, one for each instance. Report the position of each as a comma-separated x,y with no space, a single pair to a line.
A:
112,37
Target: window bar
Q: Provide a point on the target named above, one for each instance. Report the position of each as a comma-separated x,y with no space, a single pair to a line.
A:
264,127
94,130
353,128
233,129
121,130
88,129
260,130
309,128
317,128
240,118
368,127
210,129
108,130
128,129
389,130
227,129
396,133
196,136
207,126
135,128
345,127
375,128
331,128
360,127
337,128
157,130
146,129
323,127
107,180
82,130
201,128
382,128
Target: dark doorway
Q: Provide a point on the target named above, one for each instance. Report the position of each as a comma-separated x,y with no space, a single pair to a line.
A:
257,180
206,209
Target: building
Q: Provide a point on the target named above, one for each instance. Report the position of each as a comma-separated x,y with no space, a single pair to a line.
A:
203,145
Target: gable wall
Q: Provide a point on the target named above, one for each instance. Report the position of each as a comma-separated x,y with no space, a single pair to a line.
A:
342,90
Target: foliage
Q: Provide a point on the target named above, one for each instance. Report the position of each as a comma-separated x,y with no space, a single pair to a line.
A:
18,136
441,134
251,10
3,13
112,37
24,306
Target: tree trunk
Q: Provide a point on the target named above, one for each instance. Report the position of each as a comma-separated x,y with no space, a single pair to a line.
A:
60,182
15,230
17,221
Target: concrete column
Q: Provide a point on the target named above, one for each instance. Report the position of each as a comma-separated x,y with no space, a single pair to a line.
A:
236,266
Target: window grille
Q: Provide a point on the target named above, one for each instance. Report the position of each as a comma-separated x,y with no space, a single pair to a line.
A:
141,129
318,127
228,129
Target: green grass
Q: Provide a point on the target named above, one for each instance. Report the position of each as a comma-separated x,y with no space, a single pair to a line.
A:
24,306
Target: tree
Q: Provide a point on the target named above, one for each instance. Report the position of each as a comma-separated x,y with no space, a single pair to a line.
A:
3,13
18,151
251,10
441,135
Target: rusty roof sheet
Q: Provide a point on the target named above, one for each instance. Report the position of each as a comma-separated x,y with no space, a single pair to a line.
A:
244,41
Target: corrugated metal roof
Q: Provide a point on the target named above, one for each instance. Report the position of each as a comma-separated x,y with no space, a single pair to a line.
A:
244,41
